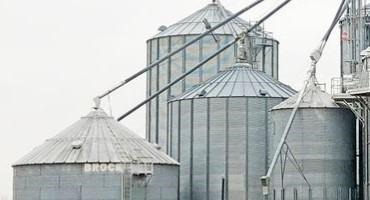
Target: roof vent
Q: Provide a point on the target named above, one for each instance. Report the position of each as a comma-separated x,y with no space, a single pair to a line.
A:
202,93
157,146
171,97
77,144
263,92
162,28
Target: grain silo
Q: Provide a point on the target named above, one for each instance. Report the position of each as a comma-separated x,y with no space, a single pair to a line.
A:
174,36
323,141
96,158
219,133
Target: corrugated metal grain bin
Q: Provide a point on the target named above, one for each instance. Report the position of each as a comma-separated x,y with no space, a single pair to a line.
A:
323,140
176,35
96,158
218,132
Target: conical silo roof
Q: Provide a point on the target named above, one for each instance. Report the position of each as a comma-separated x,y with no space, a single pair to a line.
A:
96,138
239,80
314,97
214,13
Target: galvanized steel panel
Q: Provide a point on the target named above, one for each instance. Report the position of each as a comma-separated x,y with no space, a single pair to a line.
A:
232,134
71,193
102,140
96,180
314,97
192,58
92,193
217,146
42,181
163,80
26,194
177,35
177,65
323,141
27,171
238,81
199,150
185,150
257,135
214,13
87,186
237,148
58,170
19,183
208,47
175,129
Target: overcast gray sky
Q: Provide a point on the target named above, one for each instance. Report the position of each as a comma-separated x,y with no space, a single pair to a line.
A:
55,56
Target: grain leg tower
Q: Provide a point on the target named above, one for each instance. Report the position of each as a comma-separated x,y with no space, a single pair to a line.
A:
352,88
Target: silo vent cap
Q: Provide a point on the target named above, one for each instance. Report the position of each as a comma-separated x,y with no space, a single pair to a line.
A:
202,93
162,28
157,146
263,92
77,144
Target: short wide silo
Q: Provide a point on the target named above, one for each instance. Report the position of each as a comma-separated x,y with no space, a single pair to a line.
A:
96,158
218,132
322,139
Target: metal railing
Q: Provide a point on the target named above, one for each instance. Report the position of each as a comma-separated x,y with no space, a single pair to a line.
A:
340,193
340,85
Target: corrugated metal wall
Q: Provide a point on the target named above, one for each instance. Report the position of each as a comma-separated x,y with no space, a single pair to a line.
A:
69,182
323,142
157,123
221,138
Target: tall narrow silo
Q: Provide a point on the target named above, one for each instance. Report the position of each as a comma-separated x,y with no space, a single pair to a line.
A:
218,132
174,36
96,158
323,141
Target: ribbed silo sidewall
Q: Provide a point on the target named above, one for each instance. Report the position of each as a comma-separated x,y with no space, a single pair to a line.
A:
323,141
220,138
69,181
159,76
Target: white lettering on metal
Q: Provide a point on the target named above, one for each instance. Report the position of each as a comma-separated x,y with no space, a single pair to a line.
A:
120,168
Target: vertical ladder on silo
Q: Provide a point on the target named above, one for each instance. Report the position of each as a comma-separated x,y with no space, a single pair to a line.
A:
127,185
142,170
126,179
